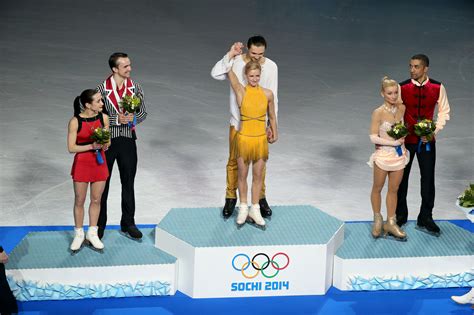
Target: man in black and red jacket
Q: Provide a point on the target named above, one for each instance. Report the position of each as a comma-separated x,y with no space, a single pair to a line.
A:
123,137
7,300
421,94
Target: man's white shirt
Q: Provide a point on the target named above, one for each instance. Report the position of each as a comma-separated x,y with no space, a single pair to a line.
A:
268,80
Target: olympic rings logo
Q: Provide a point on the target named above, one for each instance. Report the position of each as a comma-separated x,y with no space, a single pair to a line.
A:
245,262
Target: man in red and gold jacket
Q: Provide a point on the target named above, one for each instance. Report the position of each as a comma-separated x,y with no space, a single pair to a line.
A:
421,94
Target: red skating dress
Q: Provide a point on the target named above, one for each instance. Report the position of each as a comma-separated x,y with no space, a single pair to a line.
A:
85,167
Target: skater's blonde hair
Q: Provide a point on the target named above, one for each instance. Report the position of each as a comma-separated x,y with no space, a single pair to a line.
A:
387,82
252,65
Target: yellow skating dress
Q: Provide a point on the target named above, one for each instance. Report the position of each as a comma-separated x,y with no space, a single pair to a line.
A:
251,140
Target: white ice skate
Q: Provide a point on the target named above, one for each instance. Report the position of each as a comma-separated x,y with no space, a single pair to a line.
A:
256,216
467,298
93,238
243,214
78,240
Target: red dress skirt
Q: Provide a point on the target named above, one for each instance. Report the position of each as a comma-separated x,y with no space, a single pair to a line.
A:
85,167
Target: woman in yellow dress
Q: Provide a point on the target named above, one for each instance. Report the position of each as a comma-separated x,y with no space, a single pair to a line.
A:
251,142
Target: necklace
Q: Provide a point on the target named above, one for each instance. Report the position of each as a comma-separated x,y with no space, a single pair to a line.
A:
392,110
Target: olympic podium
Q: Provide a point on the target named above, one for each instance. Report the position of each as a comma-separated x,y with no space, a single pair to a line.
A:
302,252
423,262
41,268
294,256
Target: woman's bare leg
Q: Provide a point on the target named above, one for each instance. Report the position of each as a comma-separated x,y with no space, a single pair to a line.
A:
391,227
97,189
376,199
375,195
394,180
80,191
257,180
243,170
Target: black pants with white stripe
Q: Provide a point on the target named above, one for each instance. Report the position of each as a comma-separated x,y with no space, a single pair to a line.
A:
124,151
426,162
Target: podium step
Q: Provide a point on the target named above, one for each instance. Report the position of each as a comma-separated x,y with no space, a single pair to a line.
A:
293,256
424,261
41,267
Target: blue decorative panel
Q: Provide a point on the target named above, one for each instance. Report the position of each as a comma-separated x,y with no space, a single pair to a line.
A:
465,279
39,291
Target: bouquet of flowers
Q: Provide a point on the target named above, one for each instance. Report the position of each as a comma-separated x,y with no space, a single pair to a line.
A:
466,200
424,128
131,104
398,131
100,136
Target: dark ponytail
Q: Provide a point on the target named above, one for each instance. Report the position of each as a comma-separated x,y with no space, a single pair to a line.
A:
87,96
77,106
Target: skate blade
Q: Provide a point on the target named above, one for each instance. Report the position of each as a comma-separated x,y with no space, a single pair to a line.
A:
89,244
376,237
254,224
74,252
239,226
139,240
425,230
394,238
267,217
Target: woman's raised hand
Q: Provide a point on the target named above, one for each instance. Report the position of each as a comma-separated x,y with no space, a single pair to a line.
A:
235,49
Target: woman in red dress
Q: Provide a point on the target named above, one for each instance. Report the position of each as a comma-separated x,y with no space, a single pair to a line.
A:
86,169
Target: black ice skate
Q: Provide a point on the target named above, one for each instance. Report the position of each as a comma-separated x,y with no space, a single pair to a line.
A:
265,209
132,232
228,207
427,225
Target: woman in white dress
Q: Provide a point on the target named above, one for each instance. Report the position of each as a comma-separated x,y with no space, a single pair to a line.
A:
385,161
